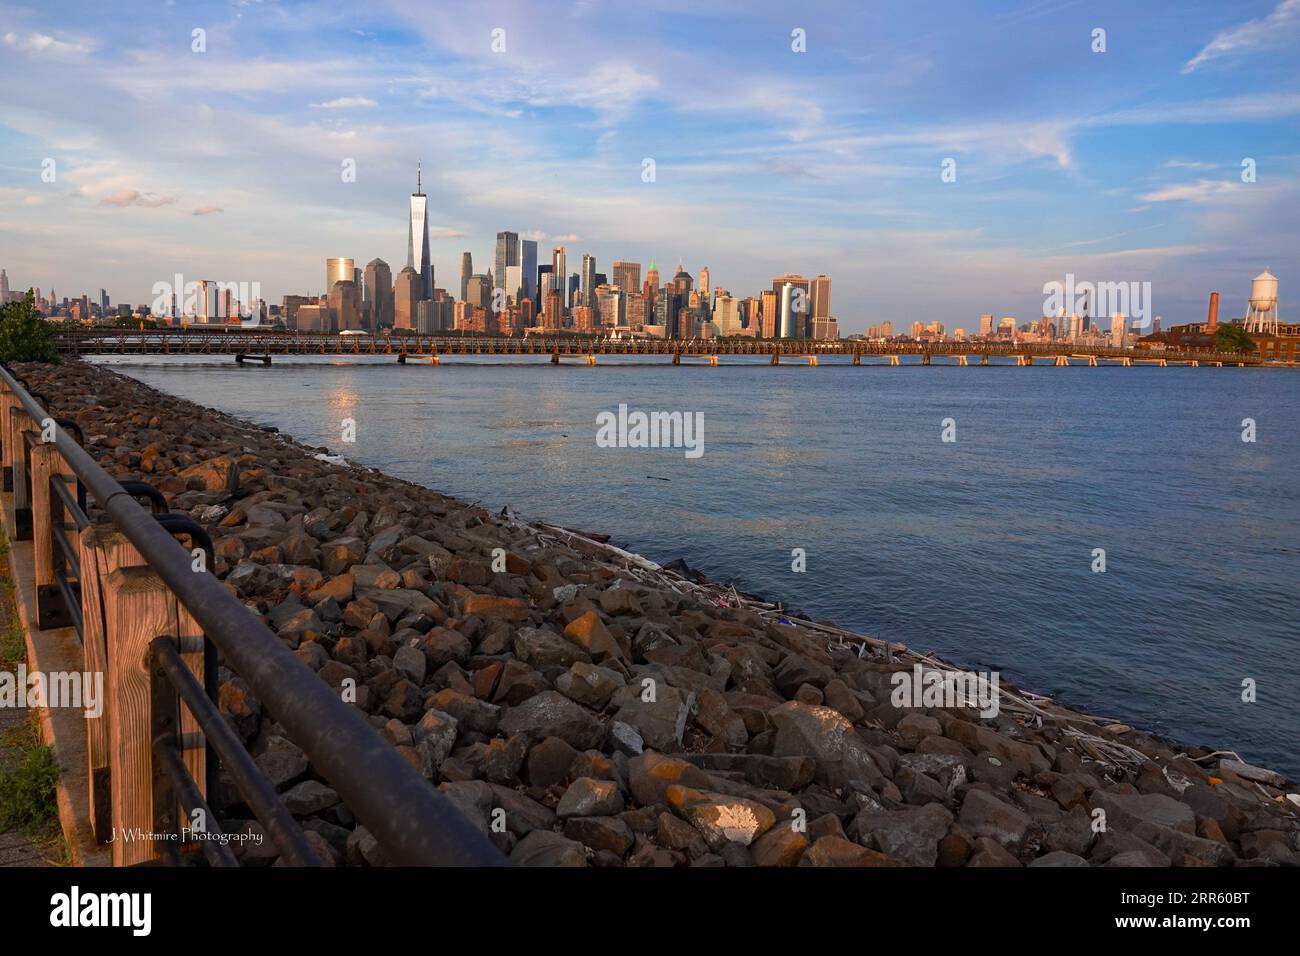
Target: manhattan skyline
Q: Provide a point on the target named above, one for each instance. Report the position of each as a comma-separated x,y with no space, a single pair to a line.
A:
1120,165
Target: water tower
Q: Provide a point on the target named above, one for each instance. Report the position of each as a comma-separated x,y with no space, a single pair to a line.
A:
1261,315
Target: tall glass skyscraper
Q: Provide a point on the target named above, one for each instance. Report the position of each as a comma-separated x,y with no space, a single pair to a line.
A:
507,256
528,267
417,253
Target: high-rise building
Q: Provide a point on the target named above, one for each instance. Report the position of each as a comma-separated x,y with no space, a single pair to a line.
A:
704,281
627,276
560,275
417,252
789,315
478,292
636,311
588,282
1117,323
345,303
514,285
769,327
379,294
507,256
4,288
887,329
205,306
682,284
820,293
528,266
466,270
986,324
338,270
542,286
406,295
552,311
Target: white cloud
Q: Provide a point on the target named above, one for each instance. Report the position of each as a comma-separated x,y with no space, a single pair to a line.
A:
206,210
1200,191
1253,34
133,197
346,102
41,43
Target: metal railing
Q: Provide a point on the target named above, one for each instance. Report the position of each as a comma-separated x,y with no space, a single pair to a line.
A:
52,477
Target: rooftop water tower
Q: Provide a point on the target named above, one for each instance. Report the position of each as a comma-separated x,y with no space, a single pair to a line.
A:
1261,315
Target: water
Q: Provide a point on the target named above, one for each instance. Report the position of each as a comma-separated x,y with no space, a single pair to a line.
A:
981,549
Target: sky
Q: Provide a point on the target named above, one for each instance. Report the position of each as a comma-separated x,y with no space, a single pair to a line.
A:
128,155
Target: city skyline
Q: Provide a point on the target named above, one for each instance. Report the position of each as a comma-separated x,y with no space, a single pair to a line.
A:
766,160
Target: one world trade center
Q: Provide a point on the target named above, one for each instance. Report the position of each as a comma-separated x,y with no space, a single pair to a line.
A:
417,249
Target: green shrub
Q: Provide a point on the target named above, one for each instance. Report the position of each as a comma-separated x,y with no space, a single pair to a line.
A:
24,335
28,798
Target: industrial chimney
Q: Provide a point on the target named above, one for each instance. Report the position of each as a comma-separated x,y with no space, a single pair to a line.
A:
1213,321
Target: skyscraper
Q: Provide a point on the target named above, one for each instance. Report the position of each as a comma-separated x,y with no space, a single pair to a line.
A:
507,256
704,281
417,253
627,276
559,275
788,312
379,294
406,295
588,297
821,297
345,304
528,267
466,270
4,288
338,270
682,283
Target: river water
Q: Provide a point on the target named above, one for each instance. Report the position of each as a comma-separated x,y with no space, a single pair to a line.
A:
982,549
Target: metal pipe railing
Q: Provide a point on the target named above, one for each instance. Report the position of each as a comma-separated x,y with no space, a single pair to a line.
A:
412,822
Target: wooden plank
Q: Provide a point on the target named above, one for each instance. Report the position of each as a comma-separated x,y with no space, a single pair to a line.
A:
137,609
7,401
46,461
96,562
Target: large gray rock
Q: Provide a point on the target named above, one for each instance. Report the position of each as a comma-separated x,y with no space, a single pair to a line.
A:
662,721
984,815
910,836
551,714
543,848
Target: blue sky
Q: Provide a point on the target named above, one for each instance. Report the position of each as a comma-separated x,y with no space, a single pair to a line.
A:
225,164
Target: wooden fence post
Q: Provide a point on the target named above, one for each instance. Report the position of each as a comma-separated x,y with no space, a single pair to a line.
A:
136,610
8,400
125,606
47,463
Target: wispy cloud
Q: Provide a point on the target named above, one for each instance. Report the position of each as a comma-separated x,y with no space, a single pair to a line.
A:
133,197
1272,30
44,44
346,102
206,210
1200,191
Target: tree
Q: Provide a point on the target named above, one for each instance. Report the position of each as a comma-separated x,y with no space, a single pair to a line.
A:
1231,337
24,335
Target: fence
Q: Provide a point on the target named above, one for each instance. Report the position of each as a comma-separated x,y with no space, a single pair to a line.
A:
155,621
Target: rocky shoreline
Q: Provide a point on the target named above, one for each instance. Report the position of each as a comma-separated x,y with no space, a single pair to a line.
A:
585,707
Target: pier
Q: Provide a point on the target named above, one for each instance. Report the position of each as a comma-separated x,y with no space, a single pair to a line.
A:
260,345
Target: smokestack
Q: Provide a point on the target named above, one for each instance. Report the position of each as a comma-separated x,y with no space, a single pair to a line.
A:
1213,321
